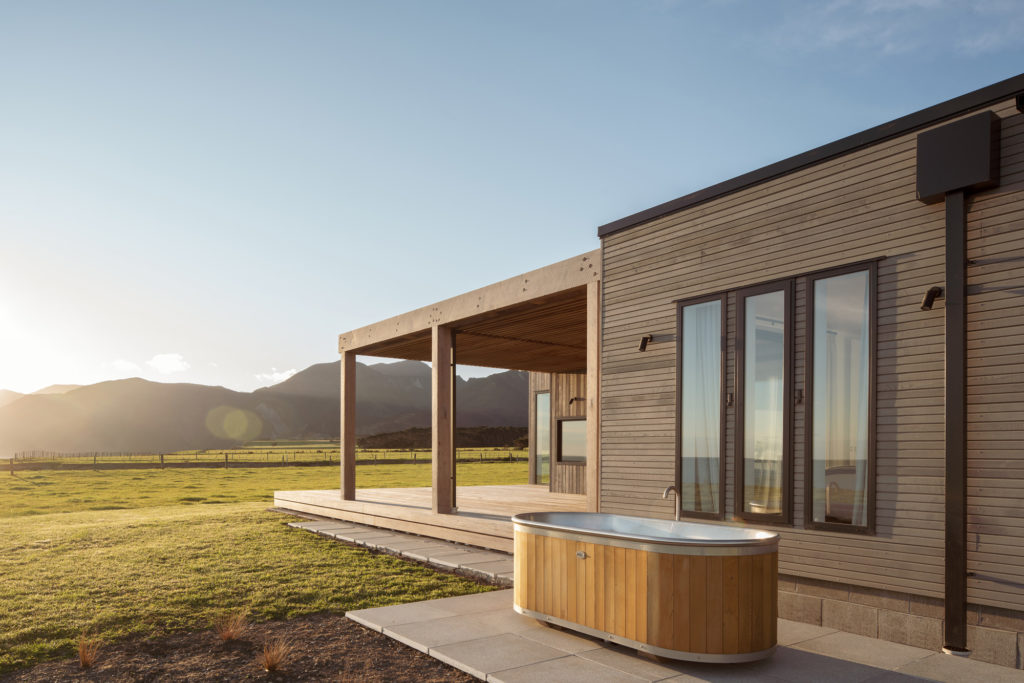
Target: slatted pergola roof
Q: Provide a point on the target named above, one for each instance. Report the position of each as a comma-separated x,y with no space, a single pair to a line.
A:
536,321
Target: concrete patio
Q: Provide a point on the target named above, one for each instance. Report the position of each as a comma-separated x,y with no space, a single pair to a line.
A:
481,635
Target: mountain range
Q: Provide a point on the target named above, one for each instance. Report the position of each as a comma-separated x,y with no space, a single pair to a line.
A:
136,415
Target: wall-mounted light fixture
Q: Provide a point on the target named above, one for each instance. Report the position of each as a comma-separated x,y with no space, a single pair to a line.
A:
576,398
929,298
644,341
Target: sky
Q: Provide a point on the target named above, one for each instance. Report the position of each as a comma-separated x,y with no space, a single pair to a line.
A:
212,191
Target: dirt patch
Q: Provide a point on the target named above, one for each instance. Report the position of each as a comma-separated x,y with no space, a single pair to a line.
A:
324,647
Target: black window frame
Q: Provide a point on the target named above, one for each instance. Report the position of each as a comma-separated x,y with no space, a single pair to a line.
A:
680,305
785,517
558,442
872,269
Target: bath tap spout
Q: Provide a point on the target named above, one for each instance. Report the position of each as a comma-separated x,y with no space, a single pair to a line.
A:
679,501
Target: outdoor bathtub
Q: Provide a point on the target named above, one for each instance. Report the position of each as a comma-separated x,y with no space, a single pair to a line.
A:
682,590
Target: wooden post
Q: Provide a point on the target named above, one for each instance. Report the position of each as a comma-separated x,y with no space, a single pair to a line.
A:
593,396
441,436
348,425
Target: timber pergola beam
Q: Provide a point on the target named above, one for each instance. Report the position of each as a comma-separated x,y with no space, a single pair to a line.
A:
546,320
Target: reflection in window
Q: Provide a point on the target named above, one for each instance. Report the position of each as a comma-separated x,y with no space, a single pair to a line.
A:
572,440
840,395
542,432
700,421
763,409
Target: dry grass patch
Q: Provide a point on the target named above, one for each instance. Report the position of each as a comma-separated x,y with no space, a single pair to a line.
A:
275,654
231,626
88,650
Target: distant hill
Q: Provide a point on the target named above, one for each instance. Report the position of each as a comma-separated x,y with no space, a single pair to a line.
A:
7,396
57,389
138,415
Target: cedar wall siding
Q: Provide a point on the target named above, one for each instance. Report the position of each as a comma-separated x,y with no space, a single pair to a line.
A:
995,381
857,207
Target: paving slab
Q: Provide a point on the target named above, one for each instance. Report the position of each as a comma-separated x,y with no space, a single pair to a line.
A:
378,618
627,661
477,602
569,669
491,568
458,558
359,531
791,632
562,640
426,635
941,667
407,543
487,655
423,553
861,649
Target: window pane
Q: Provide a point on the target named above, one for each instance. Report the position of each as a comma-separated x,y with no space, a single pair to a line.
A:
763,409
700,421
840,391
573,440
542,432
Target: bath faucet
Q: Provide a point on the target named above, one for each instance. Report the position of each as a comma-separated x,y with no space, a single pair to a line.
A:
679,501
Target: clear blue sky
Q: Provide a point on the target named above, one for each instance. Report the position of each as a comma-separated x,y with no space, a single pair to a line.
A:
213,191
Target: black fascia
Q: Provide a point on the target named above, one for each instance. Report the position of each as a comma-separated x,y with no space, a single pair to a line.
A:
1003,90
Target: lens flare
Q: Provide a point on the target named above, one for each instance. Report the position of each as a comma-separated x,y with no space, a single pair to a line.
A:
236,424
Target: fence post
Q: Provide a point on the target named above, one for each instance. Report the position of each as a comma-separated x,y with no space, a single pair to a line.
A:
161,461
225,459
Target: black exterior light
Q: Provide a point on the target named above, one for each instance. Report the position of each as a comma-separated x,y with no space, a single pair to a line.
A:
644,341
929,298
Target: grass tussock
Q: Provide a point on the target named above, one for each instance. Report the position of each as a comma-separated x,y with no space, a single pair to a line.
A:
275,654
88,650
231,626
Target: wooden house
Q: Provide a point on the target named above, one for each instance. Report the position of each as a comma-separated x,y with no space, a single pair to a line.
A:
830,346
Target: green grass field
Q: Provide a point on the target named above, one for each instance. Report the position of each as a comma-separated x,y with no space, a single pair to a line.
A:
129,553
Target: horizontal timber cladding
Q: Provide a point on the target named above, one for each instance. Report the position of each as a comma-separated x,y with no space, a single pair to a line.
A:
995,382
857,207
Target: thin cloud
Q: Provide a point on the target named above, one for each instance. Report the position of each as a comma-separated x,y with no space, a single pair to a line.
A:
168,363
125,367
275,376
892,27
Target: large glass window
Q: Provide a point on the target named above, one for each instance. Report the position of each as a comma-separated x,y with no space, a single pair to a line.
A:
542,433
840,398
700,400
572,441
764,417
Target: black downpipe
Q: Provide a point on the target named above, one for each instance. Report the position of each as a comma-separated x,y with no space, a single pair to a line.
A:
956,421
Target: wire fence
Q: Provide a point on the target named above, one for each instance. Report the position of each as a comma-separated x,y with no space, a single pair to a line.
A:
263,456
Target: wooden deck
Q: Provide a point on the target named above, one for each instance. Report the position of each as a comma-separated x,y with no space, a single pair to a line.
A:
483,518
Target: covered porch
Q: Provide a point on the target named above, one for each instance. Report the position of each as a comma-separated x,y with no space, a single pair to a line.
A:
544,321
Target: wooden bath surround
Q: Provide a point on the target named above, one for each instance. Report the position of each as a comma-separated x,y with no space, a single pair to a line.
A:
697,607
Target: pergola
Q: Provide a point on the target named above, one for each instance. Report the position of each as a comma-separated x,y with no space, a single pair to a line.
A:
546,320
